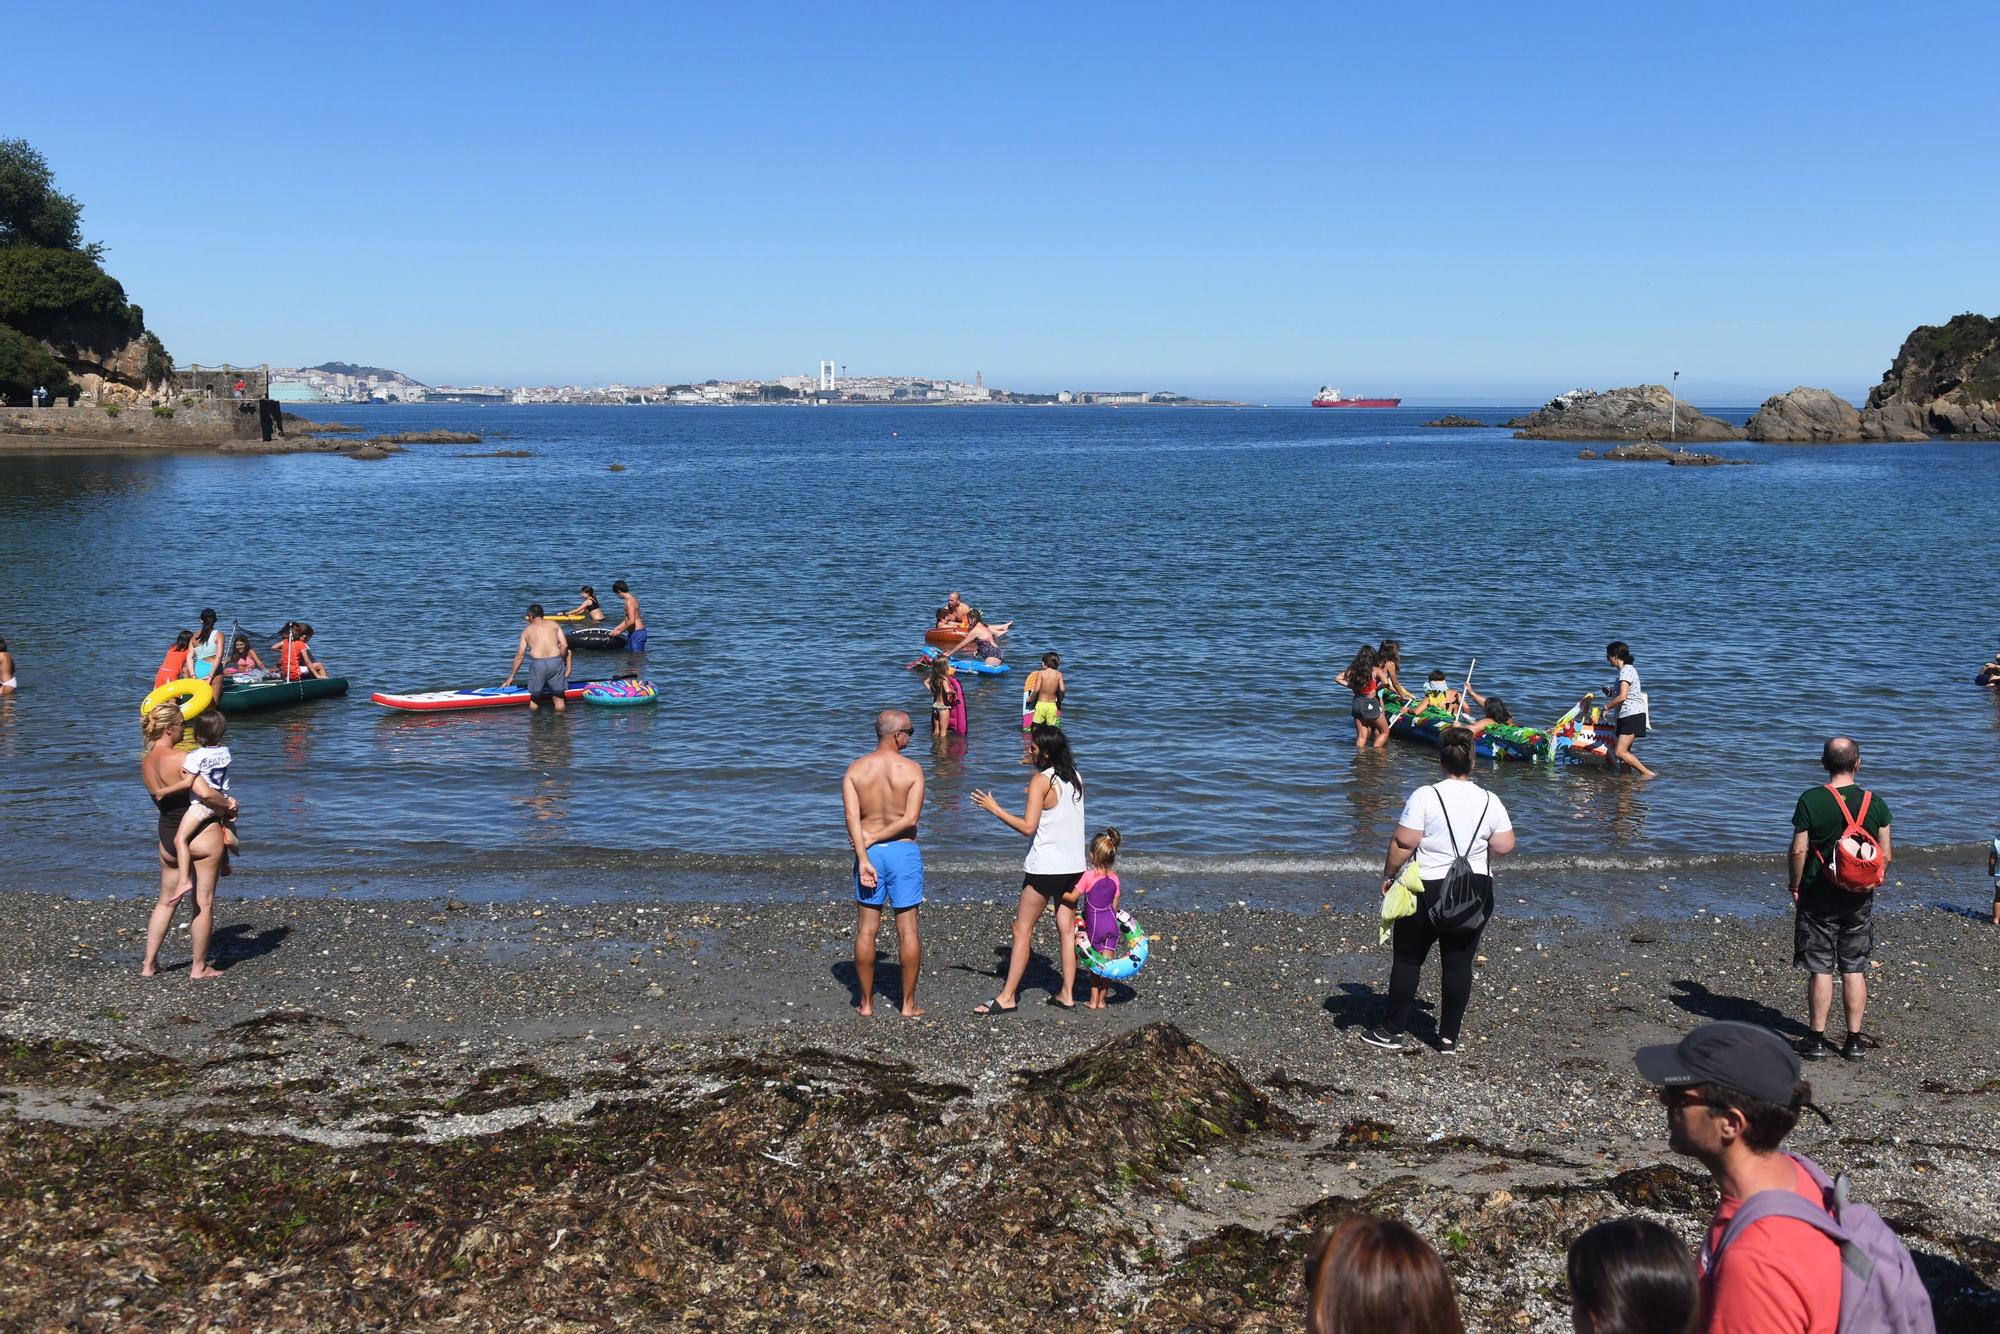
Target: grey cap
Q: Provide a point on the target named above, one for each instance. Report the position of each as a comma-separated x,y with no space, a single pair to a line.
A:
1743,1058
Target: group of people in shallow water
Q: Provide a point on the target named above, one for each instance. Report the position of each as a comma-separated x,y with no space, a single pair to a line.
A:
1381,700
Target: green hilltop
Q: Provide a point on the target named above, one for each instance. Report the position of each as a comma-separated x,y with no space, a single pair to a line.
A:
65,324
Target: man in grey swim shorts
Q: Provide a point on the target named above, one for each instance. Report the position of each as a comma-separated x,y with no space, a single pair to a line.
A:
546,650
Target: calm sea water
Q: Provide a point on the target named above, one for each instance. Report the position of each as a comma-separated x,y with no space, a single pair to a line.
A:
1203,573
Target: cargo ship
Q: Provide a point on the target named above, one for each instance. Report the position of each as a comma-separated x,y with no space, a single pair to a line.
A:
1329,397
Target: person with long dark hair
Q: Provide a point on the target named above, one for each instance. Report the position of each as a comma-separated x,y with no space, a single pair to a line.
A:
1053,818
1627,708
1632,1276
1370,1275
1364,677
1440,823
205,653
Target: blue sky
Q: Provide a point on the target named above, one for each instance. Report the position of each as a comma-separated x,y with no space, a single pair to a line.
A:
1454,202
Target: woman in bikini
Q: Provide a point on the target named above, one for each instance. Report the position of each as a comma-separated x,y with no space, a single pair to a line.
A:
172,791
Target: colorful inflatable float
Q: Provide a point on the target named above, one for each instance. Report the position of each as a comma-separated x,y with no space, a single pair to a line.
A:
620,694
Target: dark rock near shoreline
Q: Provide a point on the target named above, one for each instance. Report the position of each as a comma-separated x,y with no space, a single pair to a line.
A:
1945,381
379,447
1648,451
1637,412
1453,420
1806,416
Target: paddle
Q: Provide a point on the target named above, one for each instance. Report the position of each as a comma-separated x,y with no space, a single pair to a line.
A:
1458,709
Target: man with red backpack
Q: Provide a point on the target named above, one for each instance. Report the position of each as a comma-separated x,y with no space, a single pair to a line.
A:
1789,1251
1840,856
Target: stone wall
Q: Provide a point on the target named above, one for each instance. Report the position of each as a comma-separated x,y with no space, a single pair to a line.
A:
199,424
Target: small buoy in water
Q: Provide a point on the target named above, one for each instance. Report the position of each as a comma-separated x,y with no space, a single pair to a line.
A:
616,467
894,434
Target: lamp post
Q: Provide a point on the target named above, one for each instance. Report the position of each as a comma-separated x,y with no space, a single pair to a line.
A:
1673,407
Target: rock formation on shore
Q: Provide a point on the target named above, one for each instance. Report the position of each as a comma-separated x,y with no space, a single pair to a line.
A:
1638,412
1945,381
1806,415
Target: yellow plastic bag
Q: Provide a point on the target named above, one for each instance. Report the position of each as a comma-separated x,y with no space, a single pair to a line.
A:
1401,900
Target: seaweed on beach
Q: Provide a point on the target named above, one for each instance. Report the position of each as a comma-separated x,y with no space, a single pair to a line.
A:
60,1063
751,1192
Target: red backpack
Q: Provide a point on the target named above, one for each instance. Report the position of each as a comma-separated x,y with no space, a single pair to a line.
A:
1857,864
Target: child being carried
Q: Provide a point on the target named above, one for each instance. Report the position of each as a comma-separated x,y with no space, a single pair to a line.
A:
208,763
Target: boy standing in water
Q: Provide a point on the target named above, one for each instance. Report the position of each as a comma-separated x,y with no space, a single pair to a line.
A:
633,626
1042,697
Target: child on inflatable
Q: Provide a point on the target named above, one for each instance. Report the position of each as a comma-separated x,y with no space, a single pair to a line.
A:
1095,900
208,764
1438,693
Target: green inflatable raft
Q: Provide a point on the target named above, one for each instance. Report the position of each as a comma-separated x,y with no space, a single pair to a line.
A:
244,695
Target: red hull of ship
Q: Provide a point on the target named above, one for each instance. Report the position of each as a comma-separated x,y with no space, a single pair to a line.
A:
1357,402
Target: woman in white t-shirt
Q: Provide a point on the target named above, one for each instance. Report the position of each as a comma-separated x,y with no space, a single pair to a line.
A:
1439,822
1053,819
1627,707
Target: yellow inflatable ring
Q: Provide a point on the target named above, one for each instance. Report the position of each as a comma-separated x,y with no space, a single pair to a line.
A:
194,696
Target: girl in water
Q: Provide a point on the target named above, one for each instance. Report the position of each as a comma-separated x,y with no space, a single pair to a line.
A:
944,694
205,653
1627,704
1364,678
1389,657
174,666
589,606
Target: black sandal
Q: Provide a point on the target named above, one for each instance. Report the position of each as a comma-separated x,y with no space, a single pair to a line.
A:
994,1007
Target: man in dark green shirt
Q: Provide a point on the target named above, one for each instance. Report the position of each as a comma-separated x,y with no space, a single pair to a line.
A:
1834,928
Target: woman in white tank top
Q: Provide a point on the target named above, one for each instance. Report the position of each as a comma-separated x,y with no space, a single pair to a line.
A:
1055,862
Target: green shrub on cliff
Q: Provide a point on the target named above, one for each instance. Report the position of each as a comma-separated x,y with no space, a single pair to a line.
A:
62,294
32,211
52,290
25,366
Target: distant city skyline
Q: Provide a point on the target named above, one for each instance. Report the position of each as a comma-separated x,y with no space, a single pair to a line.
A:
1488,205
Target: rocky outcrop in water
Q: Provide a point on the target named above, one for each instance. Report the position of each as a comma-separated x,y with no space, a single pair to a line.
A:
1451,420
1638,412
1648,451
1945,381
1804,415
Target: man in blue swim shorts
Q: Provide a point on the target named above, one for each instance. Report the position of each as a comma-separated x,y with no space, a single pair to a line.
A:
882,795
633,626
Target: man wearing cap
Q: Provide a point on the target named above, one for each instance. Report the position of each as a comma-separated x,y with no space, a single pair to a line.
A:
1833,929
1732,1093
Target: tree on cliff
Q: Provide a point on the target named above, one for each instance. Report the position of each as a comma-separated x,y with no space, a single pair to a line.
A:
32,210
60,312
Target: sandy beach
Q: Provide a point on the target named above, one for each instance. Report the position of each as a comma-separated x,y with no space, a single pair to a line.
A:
498,1114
